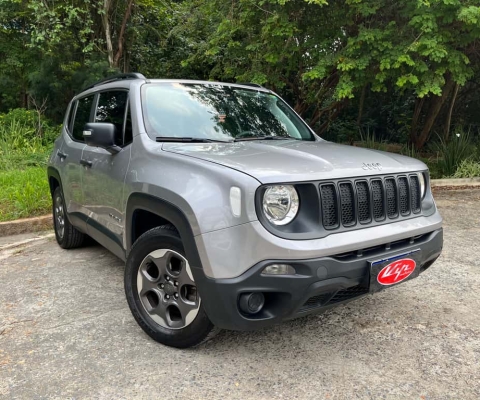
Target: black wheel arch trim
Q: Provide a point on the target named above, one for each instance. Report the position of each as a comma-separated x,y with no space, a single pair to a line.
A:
52,172
171,213
168,211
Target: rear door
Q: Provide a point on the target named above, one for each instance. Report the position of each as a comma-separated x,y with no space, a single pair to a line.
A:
71,155
104,179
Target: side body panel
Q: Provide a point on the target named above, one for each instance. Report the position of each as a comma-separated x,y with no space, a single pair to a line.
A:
103,185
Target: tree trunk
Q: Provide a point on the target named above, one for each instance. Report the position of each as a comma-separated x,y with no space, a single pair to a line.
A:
436,104
331,116
449,115
121,35
108,34
417,111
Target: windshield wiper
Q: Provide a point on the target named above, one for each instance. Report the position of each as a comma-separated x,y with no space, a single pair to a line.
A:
188,140
265,138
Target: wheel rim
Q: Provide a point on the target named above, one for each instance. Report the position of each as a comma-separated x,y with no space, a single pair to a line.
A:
59,214
167,290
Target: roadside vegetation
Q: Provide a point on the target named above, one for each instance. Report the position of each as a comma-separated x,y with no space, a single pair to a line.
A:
384,75
25,142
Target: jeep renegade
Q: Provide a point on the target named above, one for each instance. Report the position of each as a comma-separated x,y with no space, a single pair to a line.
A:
227,208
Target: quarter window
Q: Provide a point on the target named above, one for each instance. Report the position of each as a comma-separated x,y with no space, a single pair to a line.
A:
82,116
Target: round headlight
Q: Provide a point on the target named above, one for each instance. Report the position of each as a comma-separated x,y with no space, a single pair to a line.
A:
280,204
421,180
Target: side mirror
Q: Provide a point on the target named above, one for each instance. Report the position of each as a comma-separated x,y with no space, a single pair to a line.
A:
101,134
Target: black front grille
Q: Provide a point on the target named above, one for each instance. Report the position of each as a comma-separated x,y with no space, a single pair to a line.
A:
415,193
347,200
366,201
378,200
363,200
391,192
329,206
403,195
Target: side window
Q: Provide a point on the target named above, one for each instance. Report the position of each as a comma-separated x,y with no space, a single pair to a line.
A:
82,116
111,108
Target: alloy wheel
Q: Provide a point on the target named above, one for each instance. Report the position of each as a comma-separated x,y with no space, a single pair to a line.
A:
167,290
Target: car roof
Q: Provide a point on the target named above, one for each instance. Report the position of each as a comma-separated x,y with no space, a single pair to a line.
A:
125,80
200,82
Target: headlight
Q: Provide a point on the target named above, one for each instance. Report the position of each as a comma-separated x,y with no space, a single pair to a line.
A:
280,204
421,180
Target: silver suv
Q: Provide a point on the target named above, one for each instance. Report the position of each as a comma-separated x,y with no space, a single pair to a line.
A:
228,210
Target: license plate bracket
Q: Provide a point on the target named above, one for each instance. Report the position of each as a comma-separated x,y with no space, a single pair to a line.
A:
393,270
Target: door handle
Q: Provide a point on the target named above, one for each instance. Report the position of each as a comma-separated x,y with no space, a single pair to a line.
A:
86,163
61,155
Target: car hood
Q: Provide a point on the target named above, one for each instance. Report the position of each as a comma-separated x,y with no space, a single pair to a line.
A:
296,161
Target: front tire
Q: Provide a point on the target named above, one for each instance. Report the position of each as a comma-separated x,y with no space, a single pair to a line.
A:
161,292
68,237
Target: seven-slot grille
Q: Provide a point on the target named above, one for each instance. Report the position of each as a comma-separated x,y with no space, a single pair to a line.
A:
367,200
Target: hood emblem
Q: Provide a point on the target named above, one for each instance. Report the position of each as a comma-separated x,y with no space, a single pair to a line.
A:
372,166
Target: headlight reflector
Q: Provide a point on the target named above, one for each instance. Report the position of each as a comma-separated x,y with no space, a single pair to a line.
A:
280,204
422,182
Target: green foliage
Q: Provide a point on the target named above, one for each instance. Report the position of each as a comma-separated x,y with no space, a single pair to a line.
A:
25,144
410,151
370,141
24,193
29,125
468,169
24,141
453,152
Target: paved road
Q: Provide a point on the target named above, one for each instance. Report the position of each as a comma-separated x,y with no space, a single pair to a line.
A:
66,331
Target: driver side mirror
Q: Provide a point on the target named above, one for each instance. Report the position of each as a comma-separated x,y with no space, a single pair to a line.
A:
101,134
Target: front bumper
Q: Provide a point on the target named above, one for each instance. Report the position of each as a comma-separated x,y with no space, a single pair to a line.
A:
319,284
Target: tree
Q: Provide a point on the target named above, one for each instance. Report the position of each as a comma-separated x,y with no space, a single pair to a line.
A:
320,55
425,47
17,60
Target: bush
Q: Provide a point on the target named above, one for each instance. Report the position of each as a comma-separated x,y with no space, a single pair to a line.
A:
23,142
453,152
22,124
468,169
370,142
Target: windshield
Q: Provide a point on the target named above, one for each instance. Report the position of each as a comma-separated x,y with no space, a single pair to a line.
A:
217,112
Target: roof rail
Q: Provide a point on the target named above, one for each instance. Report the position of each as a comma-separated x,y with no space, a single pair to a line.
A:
119,77
250,84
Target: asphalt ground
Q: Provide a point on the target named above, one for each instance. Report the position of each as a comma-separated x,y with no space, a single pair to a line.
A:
66,332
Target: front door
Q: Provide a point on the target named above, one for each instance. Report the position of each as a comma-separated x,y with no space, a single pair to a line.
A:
104,179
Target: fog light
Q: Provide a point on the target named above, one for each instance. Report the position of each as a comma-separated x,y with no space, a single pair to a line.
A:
279,269
251,303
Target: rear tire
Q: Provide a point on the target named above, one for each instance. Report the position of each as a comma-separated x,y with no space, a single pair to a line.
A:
68,237
161,291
